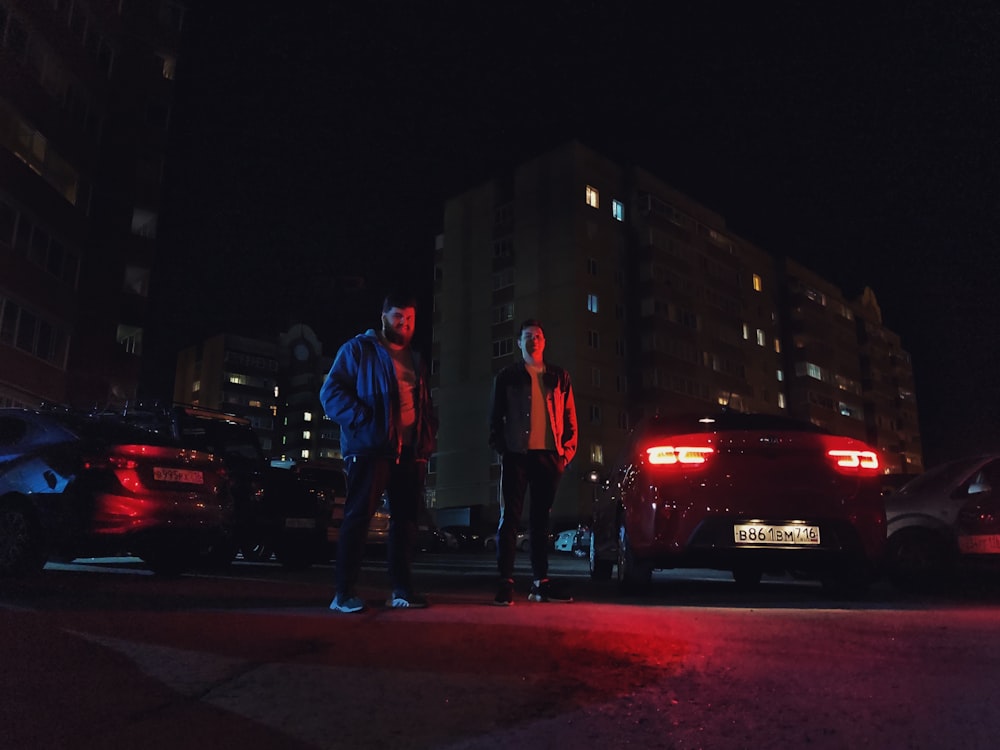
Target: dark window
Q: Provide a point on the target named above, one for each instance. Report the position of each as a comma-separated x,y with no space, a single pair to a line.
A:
26,331
8,321
8,217
39,246
17,38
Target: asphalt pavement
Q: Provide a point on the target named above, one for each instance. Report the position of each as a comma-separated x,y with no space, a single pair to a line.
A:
106,656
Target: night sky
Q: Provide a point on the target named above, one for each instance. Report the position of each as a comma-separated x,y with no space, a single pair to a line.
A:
320,142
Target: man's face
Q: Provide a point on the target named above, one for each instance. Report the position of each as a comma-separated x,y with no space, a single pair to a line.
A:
532,343
397,325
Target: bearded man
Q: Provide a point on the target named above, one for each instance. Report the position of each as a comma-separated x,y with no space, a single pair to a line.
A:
377,392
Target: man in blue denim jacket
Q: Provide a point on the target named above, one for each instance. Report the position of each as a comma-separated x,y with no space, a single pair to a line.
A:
533,428
377,392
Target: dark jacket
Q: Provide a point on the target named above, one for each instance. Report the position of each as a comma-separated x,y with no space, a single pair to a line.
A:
510,410
361,395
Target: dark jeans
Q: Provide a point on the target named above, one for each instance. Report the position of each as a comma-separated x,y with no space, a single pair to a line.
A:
539,472
367,478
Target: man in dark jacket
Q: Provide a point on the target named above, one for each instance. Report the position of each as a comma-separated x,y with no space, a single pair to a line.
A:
377,392
533,428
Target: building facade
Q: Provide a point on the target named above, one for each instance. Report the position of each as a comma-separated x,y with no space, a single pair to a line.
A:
86,88
653,305
274,383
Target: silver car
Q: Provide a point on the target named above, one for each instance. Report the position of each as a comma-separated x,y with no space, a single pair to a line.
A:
948,514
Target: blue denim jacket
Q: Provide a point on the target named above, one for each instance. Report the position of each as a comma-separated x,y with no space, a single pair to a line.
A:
361,394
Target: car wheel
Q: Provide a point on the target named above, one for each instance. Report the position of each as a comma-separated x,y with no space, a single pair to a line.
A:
257,551
21,547
219,555
600,569
918,559
634,575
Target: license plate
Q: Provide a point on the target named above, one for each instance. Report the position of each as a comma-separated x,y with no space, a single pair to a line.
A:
778,534
300,523
184,476
979,544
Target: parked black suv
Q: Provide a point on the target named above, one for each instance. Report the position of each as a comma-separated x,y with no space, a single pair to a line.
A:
275,512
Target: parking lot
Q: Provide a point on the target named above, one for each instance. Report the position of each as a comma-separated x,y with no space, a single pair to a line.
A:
102,653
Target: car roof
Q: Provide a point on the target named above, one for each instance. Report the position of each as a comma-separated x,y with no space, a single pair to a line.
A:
727,420
944,475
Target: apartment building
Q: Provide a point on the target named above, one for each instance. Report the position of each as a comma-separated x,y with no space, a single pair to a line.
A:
272,382
652,303
86,88
845,371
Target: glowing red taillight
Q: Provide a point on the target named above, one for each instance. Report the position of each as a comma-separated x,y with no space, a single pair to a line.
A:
122,464
850,456
670,455
849,459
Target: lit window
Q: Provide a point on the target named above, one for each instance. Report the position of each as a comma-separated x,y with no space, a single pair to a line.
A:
781,376
593,198
592,303
306,435
305,453
307,416
746,332
781,400
618,210
757,284
597,454
254,403
196,386
237,379
761,338
777,346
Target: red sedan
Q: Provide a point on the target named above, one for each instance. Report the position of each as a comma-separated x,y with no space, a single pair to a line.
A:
749,493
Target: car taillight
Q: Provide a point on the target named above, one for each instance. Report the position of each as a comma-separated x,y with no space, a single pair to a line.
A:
851,457
673,455
122,464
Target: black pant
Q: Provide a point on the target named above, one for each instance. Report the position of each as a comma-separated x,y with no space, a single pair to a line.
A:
539,472
367,478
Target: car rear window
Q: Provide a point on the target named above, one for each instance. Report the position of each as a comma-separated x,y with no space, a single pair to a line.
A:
730,420
939,478
112,430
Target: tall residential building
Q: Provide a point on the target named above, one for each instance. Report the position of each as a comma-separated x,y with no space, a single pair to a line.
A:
645,296
85,98
274,383
845,371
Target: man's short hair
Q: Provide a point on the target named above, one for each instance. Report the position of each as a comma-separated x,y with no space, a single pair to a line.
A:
398,299
530,323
